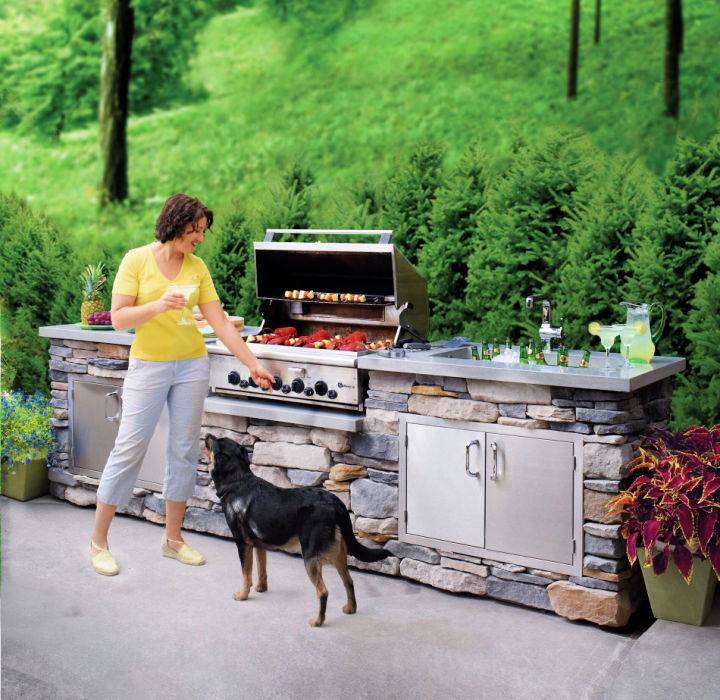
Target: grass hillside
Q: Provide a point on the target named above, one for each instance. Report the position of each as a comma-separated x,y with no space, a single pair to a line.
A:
354,103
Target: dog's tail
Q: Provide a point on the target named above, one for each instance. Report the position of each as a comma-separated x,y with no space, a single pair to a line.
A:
357,550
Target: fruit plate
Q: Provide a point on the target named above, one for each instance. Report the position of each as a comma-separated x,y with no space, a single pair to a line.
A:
87,327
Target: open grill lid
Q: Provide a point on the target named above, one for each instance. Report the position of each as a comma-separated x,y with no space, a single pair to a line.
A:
396,303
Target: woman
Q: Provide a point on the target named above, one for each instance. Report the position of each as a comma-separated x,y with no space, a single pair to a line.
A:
168,364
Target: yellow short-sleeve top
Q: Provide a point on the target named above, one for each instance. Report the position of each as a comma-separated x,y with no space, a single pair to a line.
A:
161,339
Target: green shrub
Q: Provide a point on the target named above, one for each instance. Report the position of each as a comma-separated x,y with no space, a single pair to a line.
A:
667,253
407,205
38,286
600,228
443,260
697,399
522,234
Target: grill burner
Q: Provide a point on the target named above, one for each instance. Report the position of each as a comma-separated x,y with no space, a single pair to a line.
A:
395,308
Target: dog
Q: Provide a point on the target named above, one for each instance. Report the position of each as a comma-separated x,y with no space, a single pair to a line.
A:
262,516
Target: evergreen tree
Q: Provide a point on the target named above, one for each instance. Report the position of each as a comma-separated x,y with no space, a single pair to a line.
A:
443,261
360,208
39,286
697,399
600,226
408,202
667,251
522,235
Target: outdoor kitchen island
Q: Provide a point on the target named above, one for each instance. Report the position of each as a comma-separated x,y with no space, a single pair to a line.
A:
484,478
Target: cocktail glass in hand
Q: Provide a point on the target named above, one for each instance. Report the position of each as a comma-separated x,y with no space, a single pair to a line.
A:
187,291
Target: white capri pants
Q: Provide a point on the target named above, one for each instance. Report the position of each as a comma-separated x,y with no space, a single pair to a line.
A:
148,385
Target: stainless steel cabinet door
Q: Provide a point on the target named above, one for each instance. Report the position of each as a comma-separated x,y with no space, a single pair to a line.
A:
529,497
96,412
445,500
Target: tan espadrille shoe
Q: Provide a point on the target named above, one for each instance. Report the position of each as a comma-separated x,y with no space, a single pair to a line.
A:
186,554
103,562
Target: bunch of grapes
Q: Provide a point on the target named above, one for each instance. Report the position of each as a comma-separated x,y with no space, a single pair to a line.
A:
99,318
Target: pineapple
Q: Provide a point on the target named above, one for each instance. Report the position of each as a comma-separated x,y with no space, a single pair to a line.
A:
93,279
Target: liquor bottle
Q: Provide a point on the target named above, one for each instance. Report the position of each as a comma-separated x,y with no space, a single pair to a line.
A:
496,348
475,353
523,352
585,359
562,358
486,351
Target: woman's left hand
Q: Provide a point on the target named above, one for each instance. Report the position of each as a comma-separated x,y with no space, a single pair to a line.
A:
261,376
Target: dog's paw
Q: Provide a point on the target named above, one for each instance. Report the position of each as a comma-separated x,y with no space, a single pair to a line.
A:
316,621
241,595
261,587
349,609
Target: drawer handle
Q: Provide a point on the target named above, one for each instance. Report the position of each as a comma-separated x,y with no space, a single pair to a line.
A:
467,458
494,474
118,410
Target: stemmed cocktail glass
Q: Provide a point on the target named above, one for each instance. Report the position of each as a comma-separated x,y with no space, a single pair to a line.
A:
187,290
608,335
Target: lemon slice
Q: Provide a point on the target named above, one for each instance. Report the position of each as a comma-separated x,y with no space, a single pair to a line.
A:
639,327
594,328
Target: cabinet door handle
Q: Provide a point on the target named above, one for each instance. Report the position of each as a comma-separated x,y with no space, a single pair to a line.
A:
118,410
494,473
467,458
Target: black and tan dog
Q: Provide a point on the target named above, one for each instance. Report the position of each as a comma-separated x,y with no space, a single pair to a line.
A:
263,516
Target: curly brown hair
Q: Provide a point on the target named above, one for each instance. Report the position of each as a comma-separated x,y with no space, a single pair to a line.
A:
178,211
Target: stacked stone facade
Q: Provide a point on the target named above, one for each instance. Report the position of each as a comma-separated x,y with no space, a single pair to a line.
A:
362,470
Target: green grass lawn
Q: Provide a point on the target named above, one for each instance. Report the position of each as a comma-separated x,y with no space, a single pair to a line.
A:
354,103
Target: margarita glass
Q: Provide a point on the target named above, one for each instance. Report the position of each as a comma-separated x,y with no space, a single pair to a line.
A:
608,335
187,290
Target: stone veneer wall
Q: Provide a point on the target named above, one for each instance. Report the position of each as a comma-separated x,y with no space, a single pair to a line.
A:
362,470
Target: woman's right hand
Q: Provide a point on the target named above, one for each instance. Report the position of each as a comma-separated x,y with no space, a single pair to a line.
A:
170,301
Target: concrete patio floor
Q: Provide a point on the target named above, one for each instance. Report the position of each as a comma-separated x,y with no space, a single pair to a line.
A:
164,630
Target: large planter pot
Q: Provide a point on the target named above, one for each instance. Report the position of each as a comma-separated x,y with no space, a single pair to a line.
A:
29,480
673,599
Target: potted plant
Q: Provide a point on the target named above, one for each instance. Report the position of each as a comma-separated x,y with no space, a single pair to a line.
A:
28,441
672,511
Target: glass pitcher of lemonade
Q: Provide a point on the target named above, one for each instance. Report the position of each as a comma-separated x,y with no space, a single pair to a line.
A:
642,347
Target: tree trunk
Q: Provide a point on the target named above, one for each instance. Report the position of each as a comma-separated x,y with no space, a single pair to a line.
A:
596,33
673,45
114,84
574,46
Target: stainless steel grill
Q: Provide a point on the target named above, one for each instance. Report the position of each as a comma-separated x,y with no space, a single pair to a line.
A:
395,308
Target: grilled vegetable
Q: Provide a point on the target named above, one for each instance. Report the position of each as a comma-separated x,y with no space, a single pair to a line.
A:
286,331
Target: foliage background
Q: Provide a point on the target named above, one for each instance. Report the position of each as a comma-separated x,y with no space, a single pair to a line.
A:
446,121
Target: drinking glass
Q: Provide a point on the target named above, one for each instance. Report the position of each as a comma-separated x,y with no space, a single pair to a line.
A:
608,335
187,290
627,334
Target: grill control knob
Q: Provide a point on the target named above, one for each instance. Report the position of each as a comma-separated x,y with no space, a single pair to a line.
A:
309,391
285,388
233,377
321,388
297,385
251,381
277,383
332,394
244,384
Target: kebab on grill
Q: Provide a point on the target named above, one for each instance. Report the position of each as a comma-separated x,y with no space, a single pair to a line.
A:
321,339
324,296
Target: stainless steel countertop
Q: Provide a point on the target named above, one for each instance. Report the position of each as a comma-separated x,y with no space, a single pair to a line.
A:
440,362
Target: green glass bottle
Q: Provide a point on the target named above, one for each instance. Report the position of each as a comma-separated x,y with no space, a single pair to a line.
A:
496,348
486,351
585,359
523,352
562,357
475,353
539,354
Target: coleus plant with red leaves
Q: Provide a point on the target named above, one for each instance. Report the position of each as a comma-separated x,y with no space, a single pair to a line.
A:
672,508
